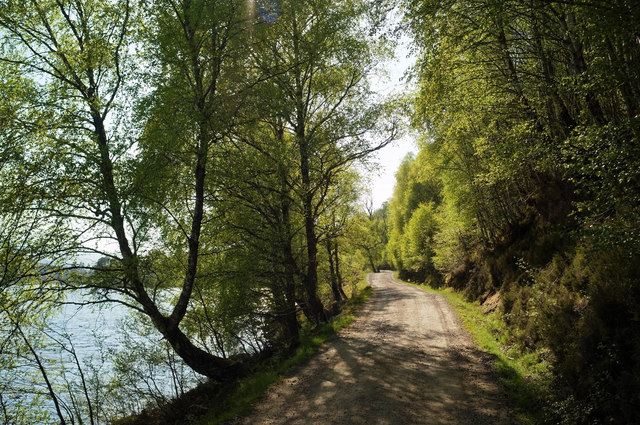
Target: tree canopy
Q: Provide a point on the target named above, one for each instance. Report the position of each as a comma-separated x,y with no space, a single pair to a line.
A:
193,162
524,185
201,150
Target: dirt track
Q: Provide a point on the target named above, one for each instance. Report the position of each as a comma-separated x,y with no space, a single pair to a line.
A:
406,360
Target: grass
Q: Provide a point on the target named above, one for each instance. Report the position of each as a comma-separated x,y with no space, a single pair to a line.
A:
523,375
247,390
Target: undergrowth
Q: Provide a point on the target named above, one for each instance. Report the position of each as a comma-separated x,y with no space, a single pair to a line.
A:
525,376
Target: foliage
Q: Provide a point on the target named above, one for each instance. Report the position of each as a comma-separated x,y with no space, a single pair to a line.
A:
529,112
190,161
368,235
412,217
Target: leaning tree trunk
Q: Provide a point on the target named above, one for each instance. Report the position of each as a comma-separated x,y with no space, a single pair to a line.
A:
372,264
199,360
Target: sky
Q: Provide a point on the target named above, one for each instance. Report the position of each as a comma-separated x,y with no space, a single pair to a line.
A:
382,178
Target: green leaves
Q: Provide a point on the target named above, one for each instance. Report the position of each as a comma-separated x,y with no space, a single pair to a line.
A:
198,153
532,111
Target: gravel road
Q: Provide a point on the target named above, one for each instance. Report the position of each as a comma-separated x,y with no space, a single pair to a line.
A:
405,360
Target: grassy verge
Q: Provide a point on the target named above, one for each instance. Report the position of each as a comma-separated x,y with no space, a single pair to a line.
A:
523,375
247,390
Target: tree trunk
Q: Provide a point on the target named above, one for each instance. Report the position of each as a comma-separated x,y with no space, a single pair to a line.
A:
513,78
290,315
199,360
579,66
285,312
371,263
290,318
338,273
311,276
558,108
337,296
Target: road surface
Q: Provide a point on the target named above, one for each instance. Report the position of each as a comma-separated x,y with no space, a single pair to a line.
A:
405,360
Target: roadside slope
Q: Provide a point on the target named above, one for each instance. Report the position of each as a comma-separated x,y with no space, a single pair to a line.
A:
405,360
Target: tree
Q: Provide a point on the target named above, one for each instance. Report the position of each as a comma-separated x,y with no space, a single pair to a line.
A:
320,54
531,109
262,225
508,89
369,233
85,163
417,192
